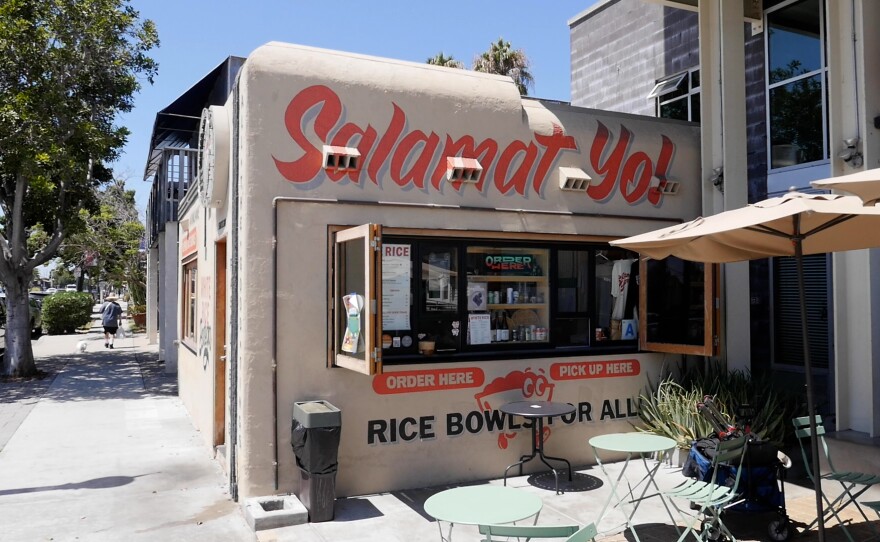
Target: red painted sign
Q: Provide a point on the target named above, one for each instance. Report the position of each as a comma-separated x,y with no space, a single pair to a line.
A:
417,159
189,243
580,370
428,380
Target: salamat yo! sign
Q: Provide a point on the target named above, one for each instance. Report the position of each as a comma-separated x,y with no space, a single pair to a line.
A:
416,158
514,386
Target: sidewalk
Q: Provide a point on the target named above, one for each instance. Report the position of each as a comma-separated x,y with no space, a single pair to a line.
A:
399,516
102,449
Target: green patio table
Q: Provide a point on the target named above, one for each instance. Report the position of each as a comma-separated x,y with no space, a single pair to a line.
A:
482,505
638,444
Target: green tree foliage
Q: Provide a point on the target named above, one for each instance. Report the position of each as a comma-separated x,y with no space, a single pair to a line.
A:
447,61
67,68
64,312
110,241
502,59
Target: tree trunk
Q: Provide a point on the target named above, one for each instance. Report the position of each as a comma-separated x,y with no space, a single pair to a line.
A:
19,357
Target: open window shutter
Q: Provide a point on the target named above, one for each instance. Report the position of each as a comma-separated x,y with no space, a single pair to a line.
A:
357,272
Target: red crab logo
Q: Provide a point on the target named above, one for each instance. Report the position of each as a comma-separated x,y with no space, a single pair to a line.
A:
529,383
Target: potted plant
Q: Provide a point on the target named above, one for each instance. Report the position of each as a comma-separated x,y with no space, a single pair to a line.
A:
138,314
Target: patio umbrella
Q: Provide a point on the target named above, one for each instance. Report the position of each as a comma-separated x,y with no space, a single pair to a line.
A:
864,184
791,225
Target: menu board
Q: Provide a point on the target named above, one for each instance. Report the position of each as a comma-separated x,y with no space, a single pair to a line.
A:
396,278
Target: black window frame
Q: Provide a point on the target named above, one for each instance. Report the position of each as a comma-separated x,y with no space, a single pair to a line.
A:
466,352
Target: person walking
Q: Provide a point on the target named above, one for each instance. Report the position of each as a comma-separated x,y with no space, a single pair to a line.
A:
111,313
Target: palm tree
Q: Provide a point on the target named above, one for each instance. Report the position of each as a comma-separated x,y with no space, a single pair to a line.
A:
501,59
446,61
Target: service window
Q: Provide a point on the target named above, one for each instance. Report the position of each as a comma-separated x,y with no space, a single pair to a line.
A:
407,298
677,300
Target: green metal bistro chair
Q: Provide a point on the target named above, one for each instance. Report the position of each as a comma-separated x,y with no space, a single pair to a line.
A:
571,533
849,481
711,498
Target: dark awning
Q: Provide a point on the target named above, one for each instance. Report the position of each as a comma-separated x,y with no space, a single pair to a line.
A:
176,125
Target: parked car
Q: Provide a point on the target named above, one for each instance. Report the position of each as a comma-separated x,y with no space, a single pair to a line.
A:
50,291
36,304
36,311
70,288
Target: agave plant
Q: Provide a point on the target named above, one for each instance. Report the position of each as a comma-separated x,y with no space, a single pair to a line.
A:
671,410
773,407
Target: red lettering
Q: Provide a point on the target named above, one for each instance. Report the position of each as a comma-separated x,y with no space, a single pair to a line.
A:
386,144
554,144
519,179
396,250
413,142
312,115
637,171
308,166
610,169
667,150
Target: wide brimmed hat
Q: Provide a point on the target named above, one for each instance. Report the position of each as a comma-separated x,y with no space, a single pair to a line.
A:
111,297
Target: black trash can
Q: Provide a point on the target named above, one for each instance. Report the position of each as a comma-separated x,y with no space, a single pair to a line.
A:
314,435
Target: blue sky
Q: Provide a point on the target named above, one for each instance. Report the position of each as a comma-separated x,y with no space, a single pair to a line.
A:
197,35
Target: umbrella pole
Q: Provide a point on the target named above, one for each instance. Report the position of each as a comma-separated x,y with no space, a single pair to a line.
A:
814,438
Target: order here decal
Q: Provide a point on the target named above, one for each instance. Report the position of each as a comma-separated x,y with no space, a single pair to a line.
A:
428,380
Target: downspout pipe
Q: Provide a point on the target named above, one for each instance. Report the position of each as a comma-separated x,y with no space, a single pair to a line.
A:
233,306
274,330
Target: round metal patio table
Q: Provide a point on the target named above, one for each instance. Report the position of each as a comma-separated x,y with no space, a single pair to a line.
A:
482,505
642,445
537,411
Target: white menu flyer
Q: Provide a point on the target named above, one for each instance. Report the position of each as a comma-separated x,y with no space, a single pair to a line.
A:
396,276
479,328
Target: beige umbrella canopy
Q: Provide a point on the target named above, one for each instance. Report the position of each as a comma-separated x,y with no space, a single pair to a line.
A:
791,225
823,222
864,184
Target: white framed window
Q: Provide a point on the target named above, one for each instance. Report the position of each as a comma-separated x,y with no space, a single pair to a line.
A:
678,96
796,75
189,302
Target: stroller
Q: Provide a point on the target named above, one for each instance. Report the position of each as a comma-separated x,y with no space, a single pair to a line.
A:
763,475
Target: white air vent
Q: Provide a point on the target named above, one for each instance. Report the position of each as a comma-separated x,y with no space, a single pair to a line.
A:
341,158
466,170
573,179
664,186
670,188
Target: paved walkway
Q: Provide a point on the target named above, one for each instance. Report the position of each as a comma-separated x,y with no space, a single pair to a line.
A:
400,516
102,449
